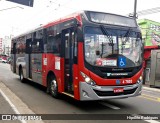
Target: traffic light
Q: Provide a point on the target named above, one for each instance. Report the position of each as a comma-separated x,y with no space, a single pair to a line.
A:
23,2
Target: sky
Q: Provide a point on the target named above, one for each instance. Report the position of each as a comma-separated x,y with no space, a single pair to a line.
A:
21,18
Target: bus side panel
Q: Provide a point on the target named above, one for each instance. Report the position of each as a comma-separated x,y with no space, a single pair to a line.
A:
19,59
36,60
48,64
27,66
75,81
61,82
44,70
81,68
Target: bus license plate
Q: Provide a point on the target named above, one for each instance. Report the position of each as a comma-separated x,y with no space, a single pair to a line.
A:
118,90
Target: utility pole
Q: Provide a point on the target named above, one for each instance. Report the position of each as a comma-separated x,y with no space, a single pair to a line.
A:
135,9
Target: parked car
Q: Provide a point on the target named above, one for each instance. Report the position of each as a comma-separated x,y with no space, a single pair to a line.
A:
3,60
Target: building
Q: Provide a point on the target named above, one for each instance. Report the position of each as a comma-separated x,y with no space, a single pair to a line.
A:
5,45
1,46
150,32
151,37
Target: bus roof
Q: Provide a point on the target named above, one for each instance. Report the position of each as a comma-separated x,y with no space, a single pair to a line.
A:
66,18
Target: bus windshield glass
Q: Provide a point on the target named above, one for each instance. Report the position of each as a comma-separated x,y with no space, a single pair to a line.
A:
112,48
106,18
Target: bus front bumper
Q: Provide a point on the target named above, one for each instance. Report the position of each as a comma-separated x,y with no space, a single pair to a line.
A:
88,92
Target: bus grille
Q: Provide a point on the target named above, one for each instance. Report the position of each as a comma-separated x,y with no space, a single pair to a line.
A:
111,93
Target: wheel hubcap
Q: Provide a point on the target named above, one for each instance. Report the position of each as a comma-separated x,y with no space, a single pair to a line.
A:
53,86
21,76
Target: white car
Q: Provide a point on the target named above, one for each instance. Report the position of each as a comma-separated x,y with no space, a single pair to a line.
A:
3,60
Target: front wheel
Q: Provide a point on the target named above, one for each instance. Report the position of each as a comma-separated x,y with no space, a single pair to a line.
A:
53,86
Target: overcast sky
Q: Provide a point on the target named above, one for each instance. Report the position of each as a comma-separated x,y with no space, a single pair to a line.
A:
17,20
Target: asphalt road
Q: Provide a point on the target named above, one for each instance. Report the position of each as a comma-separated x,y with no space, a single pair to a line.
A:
33,99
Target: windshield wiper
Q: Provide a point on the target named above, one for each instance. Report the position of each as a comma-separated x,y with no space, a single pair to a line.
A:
126,39
109,37
127,36
107,34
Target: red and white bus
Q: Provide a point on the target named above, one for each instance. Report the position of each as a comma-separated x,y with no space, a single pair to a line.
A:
87,55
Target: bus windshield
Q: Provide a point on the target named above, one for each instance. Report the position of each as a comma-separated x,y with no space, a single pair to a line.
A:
113,47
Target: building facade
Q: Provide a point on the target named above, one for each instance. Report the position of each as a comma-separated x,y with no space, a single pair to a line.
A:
150,32
5,45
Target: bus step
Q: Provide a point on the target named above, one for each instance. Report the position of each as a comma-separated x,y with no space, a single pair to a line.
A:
68,94
29,79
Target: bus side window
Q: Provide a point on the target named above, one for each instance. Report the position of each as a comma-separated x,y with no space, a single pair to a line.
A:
58,43
53,44
37,43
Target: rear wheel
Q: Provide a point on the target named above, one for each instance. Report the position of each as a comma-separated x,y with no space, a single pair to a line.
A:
53,86
21,76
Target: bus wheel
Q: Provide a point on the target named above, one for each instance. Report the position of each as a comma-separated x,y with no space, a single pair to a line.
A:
53,87
21,76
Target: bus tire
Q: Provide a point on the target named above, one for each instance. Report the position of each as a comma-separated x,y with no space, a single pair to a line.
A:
21,76
53,86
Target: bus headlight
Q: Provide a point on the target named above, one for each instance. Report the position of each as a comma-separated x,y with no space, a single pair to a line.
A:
87,79
140,80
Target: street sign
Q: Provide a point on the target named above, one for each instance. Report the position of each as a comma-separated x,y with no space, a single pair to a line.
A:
23,2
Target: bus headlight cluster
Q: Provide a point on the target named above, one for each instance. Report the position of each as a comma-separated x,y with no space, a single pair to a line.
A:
140,79
87,79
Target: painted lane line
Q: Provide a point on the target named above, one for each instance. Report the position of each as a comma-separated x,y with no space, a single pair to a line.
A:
109,105
12,105
151,97
151,89
148,98
147,91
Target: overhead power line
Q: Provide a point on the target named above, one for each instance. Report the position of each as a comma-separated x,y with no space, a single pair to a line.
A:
147,12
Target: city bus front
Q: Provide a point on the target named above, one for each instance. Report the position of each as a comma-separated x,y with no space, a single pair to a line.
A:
113,55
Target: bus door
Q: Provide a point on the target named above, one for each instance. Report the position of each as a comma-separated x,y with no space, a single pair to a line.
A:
68,52
28,59
14,58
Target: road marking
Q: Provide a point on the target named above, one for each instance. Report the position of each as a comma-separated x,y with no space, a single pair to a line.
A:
147,90
109,105
151,89
154,97
16,103
149,98
12,105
